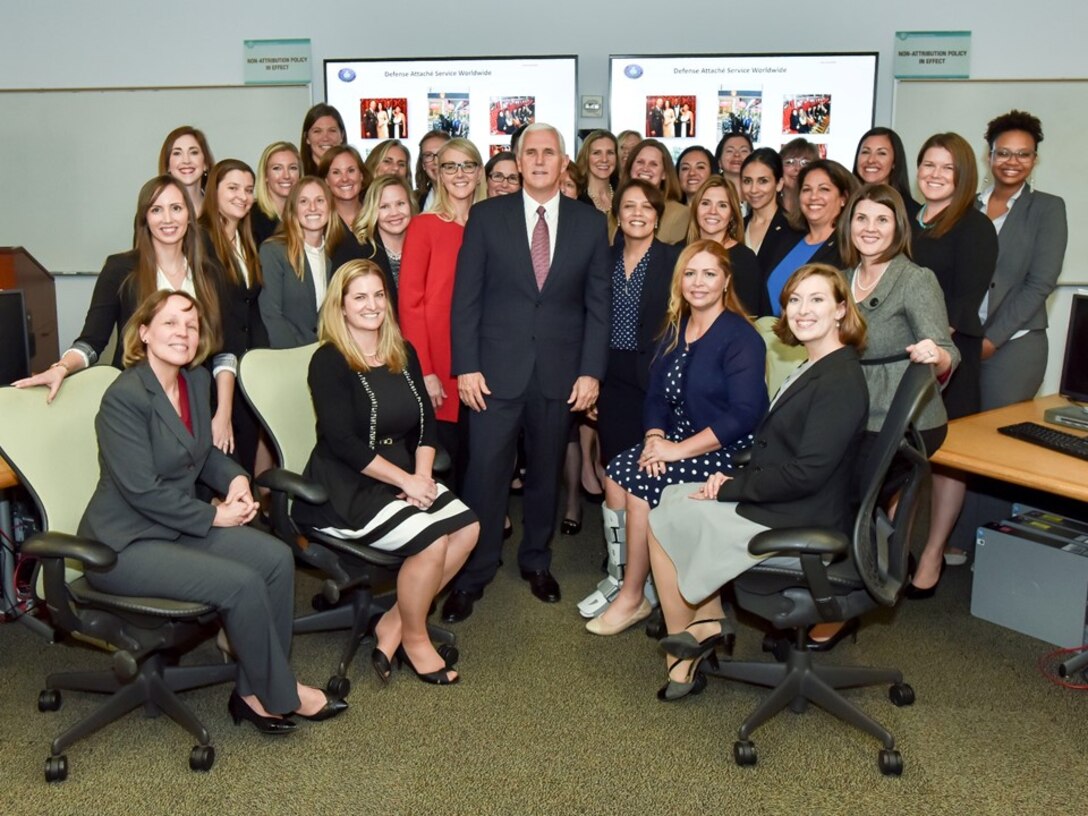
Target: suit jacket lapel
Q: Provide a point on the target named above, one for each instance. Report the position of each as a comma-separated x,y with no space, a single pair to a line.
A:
166,412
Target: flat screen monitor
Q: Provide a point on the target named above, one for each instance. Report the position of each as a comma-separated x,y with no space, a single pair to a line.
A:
14,342
484,99
1074,384
696,99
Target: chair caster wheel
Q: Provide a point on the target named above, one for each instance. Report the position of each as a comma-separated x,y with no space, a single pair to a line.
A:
56,768
338,686
449,653
891,762
744,752
901,694
202,757
49,700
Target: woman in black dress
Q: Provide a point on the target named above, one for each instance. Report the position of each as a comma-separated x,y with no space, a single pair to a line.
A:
231,255
959,244
375,449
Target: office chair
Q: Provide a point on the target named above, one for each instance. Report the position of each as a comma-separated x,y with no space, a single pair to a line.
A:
54,452
816,575
274,381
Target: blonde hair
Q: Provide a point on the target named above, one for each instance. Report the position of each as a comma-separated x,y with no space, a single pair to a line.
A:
680,308
365,227
260,188
135,350
289,232
333,329
735,228
443,206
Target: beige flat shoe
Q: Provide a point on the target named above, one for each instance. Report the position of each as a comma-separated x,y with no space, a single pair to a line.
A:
599,626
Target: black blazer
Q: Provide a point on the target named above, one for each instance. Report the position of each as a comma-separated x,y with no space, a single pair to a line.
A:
777,243
239,311
655,300
351,249
150,463
112,304
802,468
504,326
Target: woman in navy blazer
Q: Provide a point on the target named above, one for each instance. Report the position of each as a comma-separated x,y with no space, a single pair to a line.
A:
155,443
295,264
801,473
706,395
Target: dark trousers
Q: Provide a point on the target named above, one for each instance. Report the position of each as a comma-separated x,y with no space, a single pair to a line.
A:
248,575
492,447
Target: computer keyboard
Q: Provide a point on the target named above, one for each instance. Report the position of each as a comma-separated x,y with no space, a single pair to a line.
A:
1043,436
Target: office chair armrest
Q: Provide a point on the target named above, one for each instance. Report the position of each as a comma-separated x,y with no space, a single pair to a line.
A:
90,553
800,541
295,486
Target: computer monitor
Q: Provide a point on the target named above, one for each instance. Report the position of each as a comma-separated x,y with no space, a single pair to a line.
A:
1074,383
14,342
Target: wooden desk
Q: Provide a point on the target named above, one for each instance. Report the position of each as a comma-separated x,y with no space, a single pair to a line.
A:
974,446
7,478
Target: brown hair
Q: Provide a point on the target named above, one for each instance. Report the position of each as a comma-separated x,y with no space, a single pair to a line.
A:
339,150
653,195
879,194
679,308
843,180
289,232
670,184
852,326
133,347
321,109
735,228
144,277
212,221
964,180
168,145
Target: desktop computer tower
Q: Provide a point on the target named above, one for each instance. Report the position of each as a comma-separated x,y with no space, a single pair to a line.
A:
1031,576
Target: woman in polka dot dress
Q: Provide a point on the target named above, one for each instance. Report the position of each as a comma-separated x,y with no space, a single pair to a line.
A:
706,395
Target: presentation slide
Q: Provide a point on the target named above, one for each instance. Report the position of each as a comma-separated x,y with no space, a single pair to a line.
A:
484,99
696,99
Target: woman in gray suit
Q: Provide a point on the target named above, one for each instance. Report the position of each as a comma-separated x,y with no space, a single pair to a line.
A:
1031,237
155,443
295,264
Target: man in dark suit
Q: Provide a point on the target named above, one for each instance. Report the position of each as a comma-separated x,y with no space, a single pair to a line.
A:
657,119
530,322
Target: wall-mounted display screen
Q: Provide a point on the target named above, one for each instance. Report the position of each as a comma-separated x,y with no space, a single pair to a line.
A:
484,99
699,98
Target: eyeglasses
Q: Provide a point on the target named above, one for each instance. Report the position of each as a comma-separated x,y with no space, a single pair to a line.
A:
796,162
429,157
451,168
1003,155
499,178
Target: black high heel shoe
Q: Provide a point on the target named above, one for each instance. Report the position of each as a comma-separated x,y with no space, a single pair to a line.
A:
847,630
273,726
382,666
439,677
333,706
913,593
684,646
570,527
675,690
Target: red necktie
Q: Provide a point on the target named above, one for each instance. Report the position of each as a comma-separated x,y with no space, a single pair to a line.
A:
541,249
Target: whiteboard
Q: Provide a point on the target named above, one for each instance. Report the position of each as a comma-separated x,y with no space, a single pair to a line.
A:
74,160
925,107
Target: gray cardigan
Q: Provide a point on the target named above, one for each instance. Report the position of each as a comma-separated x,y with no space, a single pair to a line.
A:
906,306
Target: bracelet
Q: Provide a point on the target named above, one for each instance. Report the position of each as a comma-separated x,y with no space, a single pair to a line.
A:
59,364
653,435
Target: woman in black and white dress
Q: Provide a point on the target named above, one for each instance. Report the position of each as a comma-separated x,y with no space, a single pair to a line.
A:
375,449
